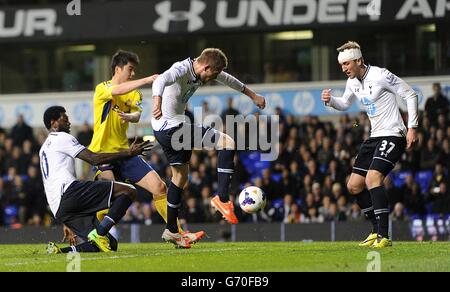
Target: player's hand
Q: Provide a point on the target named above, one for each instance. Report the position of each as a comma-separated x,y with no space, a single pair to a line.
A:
326,96
411,138
157,112
152,78
137,149
124,117
69,236
260,101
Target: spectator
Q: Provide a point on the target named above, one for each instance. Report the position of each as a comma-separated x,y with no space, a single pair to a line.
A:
314,217
230,110
294,216
436,104
342,209
438,198
36,202
21,132
355,213
335,173
438,177
444,155
287,186
17,160
193,212
325,154
281,214
325,209
157,164
429,155
398,214
414,200
209,212
394,194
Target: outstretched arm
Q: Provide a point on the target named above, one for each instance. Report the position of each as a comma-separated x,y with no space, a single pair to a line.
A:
236,84
102,158
128,86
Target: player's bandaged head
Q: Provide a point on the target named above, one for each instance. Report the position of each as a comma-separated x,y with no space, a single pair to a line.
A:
349,52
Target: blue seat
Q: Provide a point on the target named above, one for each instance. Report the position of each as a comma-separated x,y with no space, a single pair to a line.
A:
399,178
10,213
277,203
276,177
423,178
253,164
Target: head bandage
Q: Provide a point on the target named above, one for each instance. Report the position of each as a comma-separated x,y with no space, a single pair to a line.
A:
349,55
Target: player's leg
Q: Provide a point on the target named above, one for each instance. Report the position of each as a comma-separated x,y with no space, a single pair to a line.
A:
174,195
226,149
388,151
77,235
138,171
121,197
153,183
357,188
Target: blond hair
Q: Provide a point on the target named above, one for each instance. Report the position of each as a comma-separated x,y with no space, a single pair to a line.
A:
349,45
214,57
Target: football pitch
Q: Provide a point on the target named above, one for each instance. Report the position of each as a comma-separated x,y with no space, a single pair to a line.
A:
236,257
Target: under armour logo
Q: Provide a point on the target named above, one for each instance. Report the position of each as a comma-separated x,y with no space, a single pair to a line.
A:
195,22
384,154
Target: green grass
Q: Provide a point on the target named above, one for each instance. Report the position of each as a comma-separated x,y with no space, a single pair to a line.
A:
239,257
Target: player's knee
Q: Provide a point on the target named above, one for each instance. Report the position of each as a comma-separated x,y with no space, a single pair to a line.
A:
374,179
162,190
354,189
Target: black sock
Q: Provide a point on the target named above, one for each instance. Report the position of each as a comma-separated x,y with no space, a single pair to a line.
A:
364,202
173,206
83,247
381,210
225,170
118,209
104,226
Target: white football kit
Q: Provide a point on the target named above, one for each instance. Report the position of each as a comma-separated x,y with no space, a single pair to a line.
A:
176,86
57,156
378,91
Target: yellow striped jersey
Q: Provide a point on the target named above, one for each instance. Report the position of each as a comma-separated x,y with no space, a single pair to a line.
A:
110,132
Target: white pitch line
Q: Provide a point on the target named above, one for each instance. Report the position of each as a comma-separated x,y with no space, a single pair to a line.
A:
122,257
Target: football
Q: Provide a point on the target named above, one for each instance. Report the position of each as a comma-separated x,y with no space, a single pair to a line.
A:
252,200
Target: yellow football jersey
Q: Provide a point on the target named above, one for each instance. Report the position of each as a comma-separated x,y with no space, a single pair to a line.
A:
110,132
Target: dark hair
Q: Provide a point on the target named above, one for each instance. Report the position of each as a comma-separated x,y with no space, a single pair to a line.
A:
121,58
53,113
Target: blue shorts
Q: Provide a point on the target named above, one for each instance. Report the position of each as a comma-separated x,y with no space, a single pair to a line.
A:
130,170
198,135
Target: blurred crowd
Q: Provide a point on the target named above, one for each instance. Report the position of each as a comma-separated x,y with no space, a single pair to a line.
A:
307,183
